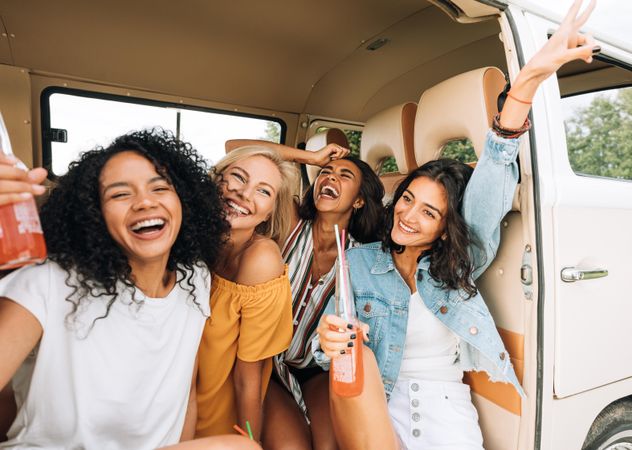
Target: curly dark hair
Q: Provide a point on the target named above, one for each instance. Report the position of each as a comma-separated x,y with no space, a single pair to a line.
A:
450,261
76,233
367,223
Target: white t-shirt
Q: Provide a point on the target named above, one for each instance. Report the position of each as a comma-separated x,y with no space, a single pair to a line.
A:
123,384
431,349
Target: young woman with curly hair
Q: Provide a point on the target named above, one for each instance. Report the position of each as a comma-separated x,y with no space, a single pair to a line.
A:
416,291
100,339
250,299
346,192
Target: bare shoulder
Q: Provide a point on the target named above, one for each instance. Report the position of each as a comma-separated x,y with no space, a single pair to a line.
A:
260,262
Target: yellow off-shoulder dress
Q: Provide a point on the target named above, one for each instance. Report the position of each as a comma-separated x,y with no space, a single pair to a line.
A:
252,323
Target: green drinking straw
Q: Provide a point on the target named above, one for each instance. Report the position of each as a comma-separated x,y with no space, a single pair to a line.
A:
249,430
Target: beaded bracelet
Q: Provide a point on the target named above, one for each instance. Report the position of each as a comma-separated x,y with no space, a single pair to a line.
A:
509,133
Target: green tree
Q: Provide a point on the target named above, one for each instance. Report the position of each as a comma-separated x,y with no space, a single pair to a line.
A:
354,137
599,137
461,150
272,132
389,165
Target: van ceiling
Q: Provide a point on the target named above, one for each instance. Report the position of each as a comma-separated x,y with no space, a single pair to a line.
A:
281,55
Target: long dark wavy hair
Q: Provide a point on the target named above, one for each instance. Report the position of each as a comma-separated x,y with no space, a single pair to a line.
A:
366,223
450,262
76,233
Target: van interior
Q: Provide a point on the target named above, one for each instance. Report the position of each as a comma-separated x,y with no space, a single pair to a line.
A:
410,75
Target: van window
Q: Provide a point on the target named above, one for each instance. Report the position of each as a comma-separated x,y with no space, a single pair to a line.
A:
388,166
354,137
91,121
461,150
599,132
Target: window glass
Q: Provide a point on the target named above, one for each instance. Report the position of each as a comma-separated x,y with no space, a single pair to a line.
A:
354,137
389,166
599,132
208,131
461,150
91,122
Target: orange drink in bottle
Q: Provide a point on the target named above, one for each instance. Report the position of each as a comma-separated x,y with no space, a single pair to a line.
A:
347,371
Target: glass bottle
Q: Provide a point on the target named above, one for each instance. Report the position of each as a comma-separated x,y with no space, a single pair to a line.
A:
347,370
21,236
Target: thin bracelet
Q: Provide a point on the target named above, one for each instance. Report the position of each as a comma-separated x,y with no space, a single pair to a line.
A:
509,94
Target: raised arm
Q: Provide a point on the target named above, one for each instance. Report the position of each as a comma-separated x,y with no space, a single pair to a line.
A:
490,191
488,197
565,45
317,158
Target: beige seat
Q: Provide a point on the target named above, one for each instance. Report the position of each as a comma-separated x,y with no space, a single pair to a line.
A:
460,107
390,133
463,107
321,139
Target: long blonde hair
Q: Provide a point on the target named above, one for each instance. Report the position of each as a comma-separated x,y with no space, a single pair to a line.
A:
277,227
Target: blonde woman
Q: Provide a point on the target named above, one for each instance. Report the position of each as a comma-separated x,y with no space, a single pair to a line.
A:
251,309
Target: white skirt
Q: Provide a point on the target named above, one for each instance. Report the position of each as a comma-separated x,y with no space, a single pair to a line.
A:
430,415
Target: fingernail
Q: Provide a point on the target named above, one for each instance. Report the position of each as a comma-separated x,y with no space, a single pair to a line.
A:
349,344
38,189
26,195
342,352
596,50
350,326
353,336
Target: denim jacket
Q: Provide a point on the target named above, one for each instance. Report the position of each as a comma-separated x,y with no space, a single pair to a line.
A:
382,296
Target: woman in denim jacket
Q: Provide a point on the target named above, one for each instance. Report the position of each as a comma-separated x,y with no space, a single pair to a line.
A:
415,290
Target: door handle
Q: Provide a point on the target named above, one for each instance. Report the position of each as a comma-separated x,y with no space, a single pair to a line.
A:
572,274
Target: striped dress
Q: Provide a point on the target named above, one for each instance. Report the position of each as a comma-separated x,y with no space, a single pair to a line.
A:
309,299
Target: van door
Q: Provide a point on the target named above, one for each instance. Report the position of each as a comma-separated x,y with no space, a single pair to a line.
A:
584,166
593,242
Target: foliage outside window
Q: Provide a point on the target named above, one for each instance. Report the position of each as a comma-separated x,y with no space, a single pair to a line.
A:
461,150
272,132
599,133
354,137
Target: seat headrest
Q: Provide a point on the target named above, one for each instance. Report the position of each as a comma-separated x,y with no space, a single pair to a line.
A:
459,107
390,133
321,139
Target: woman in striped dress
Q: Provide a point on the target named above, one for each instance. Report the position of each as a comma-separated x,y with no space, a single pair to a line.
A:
348,193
